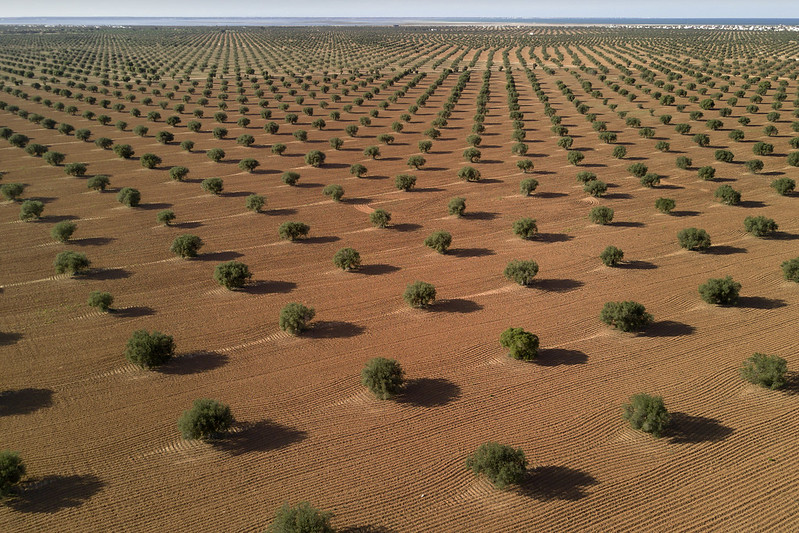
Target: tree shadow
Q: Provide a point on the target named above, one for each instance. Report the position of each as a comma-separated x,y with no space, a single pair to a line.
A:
187,225
426,189
333,329
617,196
547,195
261,436
219,256
367,529
405,227
238,194
556,483
724,250
560,356
308,185
470,252
684,213
153,206
636,265
281,212
92,241
667,328
377,269
688,429
355,201
758,302
455,305
480,215
429,392
53,493
106,274
783,236
24,401
557,285
269,287
194,363
553,237
750,204
319,240
57,218
791,383
132,312
8,338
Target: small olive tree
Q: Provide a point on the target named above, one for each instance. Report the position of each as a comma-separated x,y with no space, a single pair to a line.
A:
232,274
419,294
627,316
30,210
501,464
520,343
760,226
147,350
294,318
62,231
694,239
521,271
380,218
100,300
790,269
186,245
207,419
383,377
303,518
768,371
72,263
12,470
611,256
646,413
720,291
526,228
439,241
291,231
601,215
347,259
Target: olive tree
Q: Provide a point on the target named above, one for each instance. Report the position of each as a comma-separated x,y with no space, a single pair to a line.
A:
357,170
99,182
611,256
760,226
213,185
100,300
383,377
315,158
303,518
790,269
501,464
129,196
12,191
291,231
720,291
30,210
186,245
70,262
62,231
147,350
694,239
178,173
520,343
380,218
646,413
525,228
601,215
294,318
404,182
347,259
165,217
528,186
727,195
419,294
439,241
149,160
783,186
768,371
232,274
521,271
12,470
469,174
626,316
255,202
665,205
207,419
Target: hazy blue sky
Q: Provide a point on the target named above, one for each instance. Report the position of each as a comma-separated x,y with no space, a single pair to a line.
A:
405,8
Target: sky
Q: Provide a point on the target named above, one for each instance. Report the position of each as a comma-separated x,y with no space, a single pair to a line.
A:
406,8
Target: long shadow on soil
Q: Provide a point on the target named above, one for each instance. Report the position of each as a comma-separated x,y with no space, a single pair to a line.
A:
758,302
404,228
455,305
688,429
132,312
24,401
269,287
553,237
9,338
367,529
92,241
725,250
636,265
429,392
470,252
667,328
194,363
480,215
219,256
106,274
280,212
791,383
684,213
557,285
377,269
319,240
153,206
333,329
560,356
259,436
556,483
53,493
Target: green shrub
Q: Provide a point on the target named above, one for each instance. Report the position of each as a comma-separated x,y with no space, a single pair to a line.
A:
404,182
62,231
720,291
683,162
501,464
619,152
425,146
147,350
728,195
468,173
291,231
315,158
357,170
249,164
793,159
124,151
207,419
525,228
638,169
416,161
626,316
71,263
439,241
665,205
647,413
294,318
245,140
165,217
662,146
75,169
215,154
383,377
99,182
693,239
701,139
456,206
53,158
595,188
178,173
419,294
12,470
187,145
380,218
30,209
574,157
765,370
783,186
164,137
101,300
36,150
334,192
213,185
521,344
232,274
650,180
372,152
790,269
12,191
611,256
525,165
761,148
347,259
760,226
255,202
528,186
18,140
725,156
129,196
186,245
754,166
149,160
521,271
300,519
290,178
601,215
